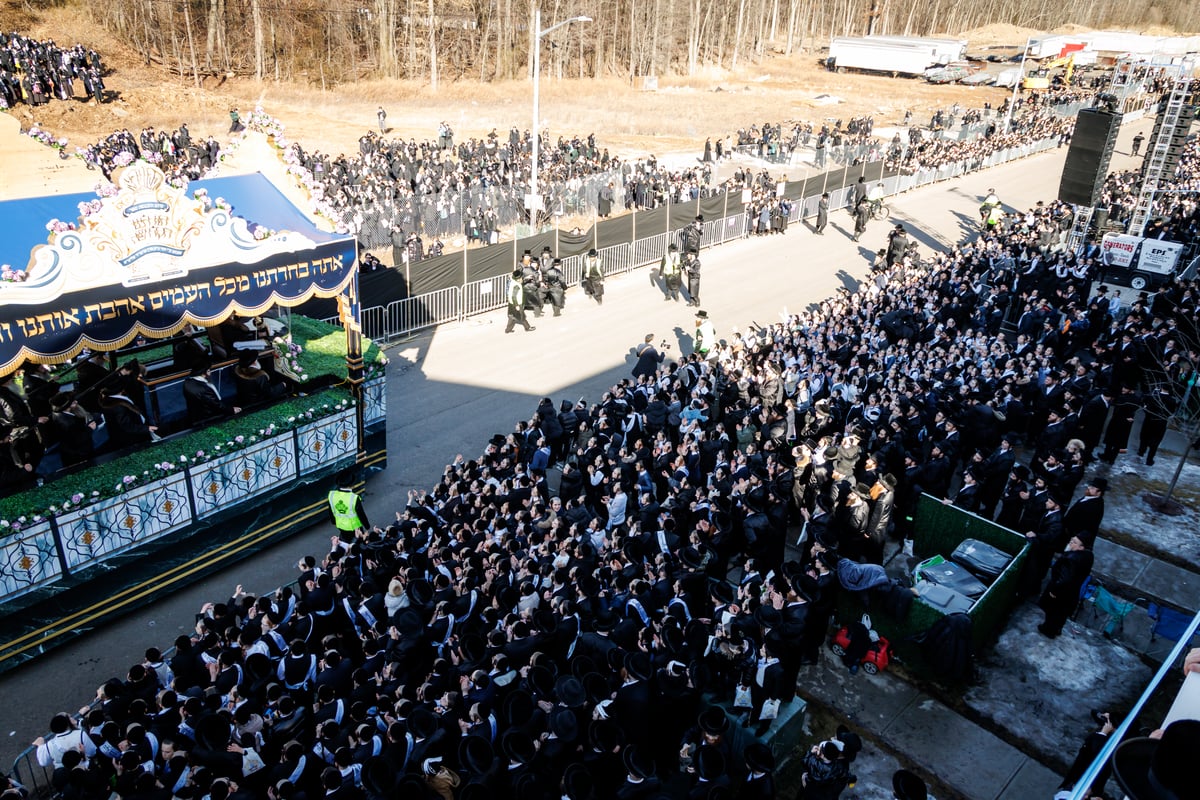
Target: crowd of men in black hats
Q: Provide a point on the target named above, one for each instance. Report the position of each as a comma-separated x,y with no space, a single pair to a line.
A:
176,153
506,638
36,72
476,187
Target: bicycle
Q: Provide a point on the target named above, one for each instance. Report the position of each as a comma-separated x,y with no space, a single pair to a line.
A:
879,210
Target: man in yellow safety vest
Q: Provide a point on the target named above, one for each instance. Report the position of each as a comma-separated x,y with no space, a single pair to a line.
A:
346,510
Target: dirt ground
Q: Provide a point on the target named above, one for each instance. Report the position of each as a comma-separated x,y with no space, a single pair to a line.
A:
676,118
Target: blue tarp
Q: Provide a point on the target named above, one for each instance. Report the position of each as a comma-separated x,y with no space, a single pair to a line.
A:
253,198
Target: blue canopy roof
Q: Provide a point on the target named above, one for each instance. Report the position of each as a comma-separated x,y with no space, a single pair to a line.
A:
252,197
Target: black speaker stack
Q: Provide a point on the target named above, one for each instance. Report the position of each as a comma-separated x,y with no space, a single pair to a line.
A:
1178,138
1091,149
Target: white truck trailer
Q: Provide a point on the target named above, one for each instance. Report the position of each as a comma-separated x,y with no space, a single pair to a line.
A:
872,55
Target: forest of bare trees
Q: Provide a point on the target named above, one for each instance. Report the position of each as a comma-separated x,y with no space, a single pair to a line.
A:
333,41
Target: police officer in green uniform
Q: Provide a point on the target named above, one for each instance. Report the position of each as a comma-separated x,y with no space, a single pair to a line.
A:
346,510
516,303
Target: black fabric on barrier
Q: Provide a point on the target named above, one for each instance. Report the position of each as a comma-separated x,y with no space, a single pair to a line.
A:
714,207
814,186
654,222
874,171
433,274
683,213
573,244
615,231
836,178
791,189
488,262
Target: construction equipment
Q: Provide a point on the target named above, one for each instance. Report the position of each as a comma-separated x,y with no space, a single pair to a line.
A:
1039,80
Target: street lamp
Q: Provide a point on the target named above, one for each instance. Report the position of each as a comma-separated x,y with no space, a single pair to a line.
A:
1012,103
534,200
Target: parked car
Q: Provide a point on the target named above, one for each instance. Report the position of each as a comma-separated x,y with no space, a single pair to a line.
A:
979,79
949,74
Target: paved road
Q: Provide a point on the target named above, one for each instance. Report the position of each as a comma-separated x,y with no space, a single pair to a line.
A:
449,390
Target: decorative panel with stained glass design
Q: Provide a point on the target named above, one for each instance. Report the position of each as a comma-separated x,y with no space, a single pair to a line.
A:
226,481
134,518
374,399
28,558
327,441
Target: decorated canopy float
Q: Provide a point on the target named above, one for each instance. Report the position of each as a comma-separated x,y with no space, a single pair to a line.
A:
144,261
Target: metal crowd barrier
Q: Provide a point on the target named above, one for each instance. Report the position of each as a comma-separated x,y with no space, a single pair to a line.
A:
456,303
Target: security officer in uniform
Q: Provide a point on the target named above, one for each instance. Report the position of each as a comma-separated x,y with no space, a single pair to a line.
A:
670,271
516,301
346,510
556,286
691,263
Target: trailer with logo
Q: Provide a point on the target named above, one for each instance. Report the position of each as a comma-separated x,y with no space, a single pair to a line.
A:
1139,262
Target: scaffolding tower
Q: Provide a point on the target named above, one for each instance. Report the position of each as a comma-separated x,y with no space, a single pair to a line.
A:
1174,120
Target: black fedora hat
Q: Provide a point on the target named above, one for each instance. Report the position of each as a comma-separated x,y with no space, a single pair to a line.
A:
378,775
672,637
768,616
420,593
1159,769
576,782
710,763
691,558
422,723
713,720
638,764
605,736
476,754
518,747
409,785
541,682
570,691
545,620
638,665
472,647
468,791
759,757
721,591
907,786
518,707
597,687
581,665
564,724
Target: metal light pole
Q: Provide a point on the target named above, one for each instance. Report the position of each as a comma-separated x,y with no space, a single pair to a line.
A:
1012,103
533,201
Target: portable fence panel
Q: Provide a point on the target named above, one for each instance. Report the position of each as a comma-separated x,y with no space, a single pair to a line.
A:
423,311
808,207
839,198
32,775
616,259
733,226
649,250
484,295
373,322
572,269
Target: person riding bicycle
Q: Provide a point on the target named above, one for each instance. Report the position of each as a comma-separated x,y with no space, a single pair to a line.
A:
875,198
989,203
